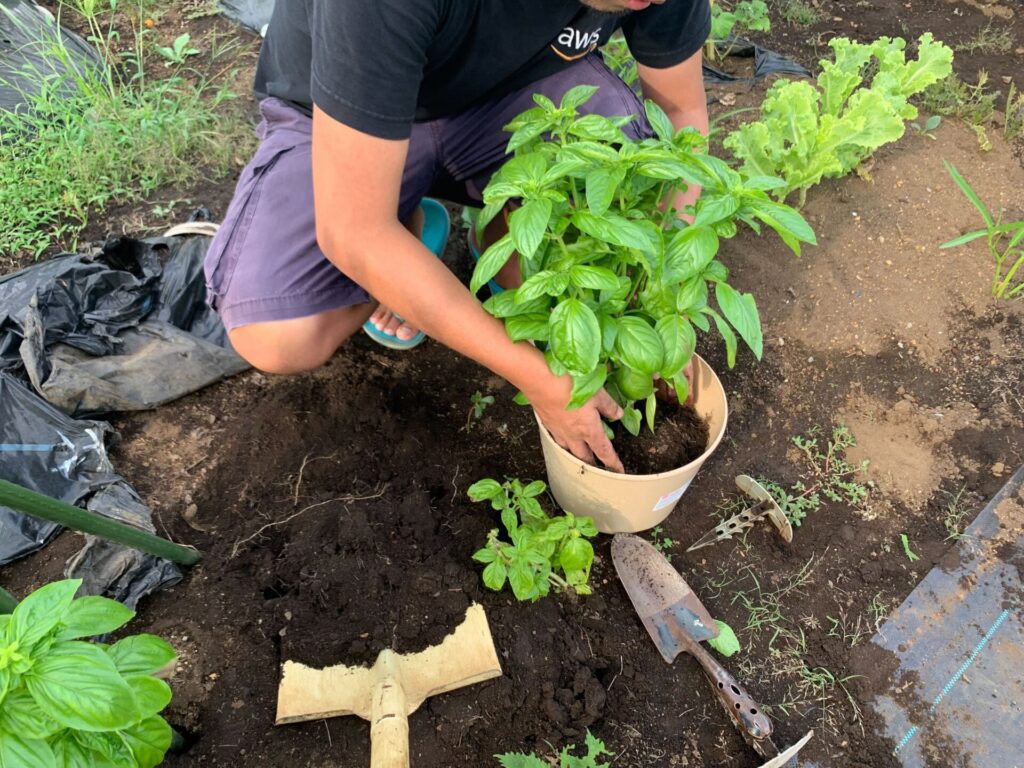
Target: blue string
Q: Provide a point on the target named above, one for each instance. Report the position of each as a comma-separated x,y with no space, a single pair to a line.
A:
953,680
24,447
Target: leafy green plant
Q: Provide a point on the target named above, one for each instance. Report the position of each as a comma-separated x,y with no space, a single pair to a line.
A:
1005,242
543,552
102,133
745,16
726,643
911,555
595,749
799,13
808,132
74,704
615,281
478,403
826,474
179,50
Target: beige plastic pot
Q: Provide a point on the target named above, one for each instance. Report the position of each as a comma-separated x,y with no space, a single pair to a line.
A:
631,503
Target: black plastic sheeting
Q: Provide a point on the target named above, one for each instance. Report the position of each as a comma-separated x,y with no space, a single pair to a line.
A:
254,14
126,329
766,62
27,35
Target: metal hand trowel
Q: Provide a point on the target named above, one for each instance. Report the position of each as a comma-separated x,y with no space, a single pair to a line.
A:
677,622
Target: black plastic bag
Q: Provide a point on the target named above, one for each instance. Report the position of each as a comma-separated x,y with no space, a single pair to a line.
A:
254,14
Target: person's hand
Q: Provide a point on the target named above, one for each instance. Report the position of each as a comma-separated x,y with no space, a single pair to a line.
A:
579,431
667,393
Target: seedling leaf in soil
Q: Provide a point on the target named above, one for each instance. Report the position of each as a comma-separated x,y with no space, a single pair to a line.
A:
595,749
477,405
1005,242
930,125
541,551
179,50
616,280
661,542
911,555
75,703
826,473
726,642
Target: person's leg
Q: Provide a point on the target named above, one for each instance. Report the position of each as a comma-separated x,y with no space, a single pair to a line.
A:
286,307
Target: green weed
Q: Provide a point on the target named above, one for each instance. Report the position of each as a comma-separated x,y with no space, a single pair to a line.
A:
662,543
798,13
989,39
956,515
94,135
974,104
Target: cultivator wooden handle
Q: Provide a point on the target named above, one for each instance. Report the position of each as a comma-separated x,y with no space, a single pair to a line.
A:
389,726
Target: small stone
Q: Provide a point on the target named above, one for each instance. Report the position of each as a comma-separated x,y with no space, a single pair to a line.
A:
810,359
283,632
998,468
287,615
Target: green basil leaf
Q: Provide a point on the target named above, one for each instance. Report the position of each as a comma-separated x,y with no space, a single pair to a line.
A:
698,318
712,209
689,252
589,152
494,575
585,525
609,330
639,346
21,715
485,555
740,310
504,305
790,225
679,341
17,751
576,555
535,488
525,169
659,121
597,128
483,490
528,224
602,185
727,335
487,214
521,579
575,336
41,611
141,654
78,685
148,741
763,183
631,420
491,262
716,272
586,386
726,643
650,408
533,327
682,387
151,695
692,295
498,192
554,364
93,615
612,228
577,96
524,135
546,282
595,278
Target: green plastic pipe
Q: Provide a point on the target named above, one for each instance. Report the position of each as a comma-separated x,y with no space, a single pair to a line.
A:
37,505
7,602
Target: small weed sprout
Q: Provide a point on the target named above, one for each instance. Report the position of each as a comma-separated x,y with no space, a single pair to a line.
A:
975,105
929,125
1013,128
478,403
798,13
989,39
179,50
662,543
956,514
911,555
595,749
826,473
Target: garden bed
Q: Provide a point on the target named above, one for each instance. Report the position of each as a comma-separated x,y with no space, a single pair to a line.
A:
333,513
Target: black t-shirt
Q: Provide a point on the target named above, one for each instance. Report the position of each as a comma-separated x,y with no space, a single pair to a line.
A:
380,65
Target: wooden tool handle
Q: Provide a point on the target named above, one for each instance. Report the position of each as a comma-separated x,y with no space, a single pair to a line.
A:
389,726
745,711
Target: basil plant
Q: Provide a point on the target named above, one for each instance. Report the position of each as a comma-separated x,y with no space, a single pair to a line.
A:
616,283
65,703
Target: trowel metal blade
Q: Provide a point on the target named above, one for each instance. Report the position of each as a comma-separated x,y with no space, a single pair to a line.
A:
667,606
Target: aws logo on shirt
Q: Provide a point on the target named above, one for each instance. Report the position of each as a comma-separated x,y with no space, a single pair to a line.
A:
573,43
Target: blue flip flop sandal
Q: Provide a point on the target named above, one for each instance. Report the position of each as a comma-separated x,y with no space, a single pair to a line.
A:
436,226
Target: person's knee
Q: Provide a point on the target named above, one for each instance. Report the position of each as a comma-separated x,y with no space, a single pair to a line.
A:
271,351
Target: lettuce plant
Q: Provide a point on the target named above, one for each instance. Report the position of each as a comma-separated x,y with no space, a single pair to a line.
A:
65,703
808,132
544,552
746,15
616,283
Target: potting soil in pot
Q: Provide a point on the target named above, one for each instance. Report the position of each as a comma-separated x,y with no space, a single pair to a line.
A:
680,436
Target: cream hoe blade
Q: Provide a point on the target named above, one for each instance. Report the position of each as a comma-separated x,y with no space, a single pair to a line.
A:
392,689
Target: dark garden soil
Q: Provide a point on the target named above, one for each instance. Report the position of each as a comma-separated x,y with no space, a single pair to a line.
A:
332,509
681,436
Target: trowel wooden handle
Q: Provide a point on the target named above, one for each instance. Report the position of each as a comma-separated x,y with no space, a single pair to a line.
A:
389,726
746,712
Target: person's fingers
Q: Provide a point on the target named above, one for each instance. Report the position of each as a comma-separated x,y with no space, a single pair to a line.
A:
607,406
581,451
602,447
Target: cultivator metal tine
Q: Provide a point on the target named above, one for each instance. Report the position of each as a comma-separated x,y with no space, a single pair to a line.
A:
766,507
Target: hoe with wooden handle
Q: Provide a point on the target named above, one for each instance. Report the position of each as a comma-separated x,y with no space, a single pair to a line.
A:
392,689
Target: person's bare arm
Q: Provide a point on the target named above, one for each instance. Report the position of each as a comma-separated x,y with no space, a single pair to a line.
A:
679,90
356,183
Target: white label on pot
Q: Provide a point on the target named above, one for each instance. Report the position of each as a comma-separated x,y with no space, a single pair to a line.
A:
672,496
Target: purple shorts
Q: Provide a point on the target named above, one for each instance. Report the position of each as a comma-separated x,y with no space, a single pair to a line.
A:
264,263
